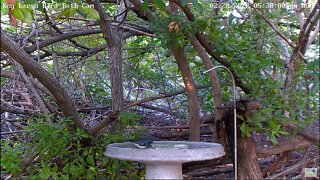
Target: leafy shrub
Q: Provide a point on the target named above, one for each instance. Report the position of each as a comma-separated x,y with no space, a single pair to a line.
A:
65,154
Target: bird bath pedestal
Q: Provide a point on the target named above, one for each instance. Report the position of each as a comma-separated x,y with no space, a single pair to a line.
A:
164,160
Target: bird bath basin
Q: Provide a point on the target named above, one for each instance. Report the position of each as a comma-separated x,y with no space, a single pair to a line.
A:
164,159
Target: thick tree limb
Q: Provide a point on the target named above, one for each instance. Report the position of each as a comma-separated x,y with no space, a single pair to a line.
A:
203,41
114,44
58,92
214,81
191,90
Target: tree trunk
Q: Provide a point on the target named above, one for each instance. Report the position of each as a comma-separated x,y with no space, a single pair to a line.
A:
215,86
115,57
248,167
113,38
191,90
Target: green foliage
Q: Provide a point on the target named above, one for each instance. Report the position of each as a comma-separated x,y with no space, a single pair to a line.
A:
11,156
67,13
4,9
64,154
160,4
144,5
245,130
196,4
23,13
85,12
88,13
130,119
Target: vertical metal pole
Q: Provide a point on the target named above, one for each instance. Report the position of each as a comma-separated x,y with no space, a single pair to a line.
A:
235,168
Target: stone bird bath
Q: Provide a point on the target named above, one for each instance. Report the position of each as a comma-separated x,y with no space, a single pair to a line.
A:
164,159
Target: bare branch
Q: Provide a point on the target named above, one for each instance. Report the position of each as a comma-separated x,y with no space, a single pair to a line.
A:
60,95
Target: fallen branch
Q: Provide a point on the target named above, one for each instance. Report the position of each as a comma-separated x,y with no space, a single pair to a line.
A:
12,132
177,134
163,110
212,171
285,144
19,111
175,127
161,97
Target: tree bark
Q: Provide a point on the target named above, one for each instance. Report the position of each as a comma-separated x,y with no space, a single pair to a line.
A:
191,89
248,167
115,56
215,86
114,44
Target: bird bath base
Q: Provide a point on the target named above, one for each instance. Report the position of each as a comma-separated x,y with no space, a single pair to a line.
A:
164,160
164,171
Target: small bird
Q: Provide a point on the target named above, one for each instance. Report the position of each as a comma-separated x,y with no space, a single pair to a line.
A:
144,142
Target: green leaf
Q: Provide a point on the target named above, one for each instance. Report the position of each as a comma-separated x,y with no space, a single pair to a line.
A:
90,13
4,9
184,3
273,139
72,12
30,1
90,160
144,5
64,12
245,129
18,13
67,13
284,133
27,16
196,4
91,173
160,4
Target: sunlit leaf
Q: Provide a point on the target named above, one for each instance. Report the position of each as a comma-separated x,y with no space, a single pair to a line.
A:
90,13
160,4
17,12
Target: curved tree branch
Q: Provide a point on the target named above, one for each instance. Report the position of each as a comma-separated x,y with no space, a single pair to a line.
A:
203,41
61,37
58,92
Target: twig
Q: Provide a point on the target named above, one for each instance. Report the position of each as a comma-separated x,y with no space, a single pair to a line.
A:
12,132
